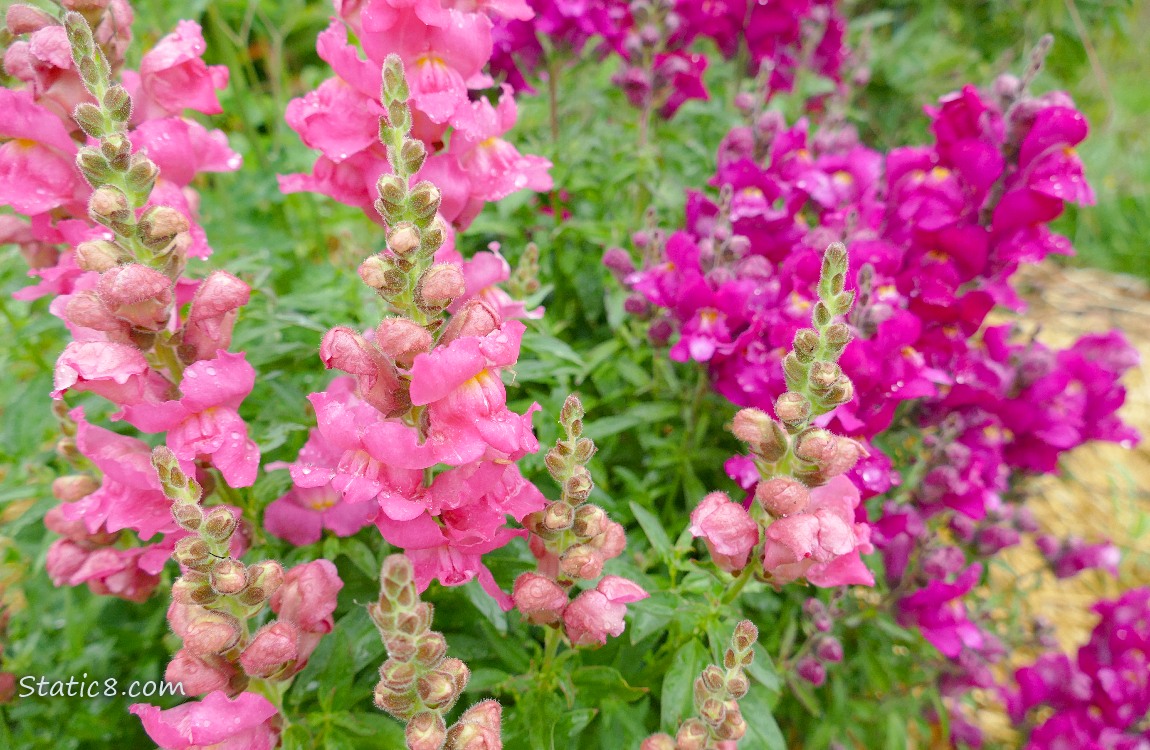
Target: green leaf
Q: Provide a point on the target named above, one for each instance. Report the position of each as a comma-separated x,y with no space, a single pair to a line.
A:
762,729
651,615
653,528
678,684
641,414
603,682
362,556
487,606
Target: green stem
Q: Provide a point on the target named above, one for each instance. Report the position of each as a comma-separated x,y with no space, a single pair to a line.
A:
739,584
551,640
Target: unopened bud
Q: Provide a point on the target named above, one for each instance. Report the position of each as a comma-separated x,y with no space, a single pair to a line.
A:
658,742
440,284
578,485
793,408
264,578
397,675
806,343
411,155
426,730
90,119
823,375
399,705
219,524
394,87
74,487
581,561
712,679
274,648
693,735
782,496
763,435
571,411
228,576
209,631
159,226
395,574
25,19
99,255
137,294
745,636
712,711
590,521
118,103
424,200
433,236
403,238
584,449
558,516
194,553
738,685
188,590
436,689
829,649
402,339
188,516
430,648
108,203
392,194
142,174
540,599
475,318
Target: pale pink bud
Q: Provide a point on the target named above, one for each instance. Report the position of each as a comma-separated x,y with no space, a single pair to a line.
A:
205,631
728,530
213,313
401,339
403,239
86,310
782,496
344,349
475,318
440,284
140,295
763,435
264,579
74,487
24,19
425,731
479,728
307,596
611,542
582,561
273,648
197,675
658,742
99,255
540,599
228,576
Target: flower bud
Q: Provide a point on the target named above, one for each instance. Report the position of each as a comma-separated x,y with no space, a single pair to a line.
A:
188,590
207,631
829,649
228,576
590,521
712,679
793,408
424,200
558,516
403,238
811,670
90,119
99,255
430,648
440,284
823,375
399,705
837,336
806,343
693,735
658,742
764,436
540,599
581,561
264,579
397,675
745,636
194,553
219,524
738,685
142,174
411,155
25,19
396,574
402,339
392,192
712,711
436,689
188,516
426,731
457,671
584,450
344,349
159,226
109,203
273,649
475,318
479,728
578,485
139,295
74,487
782,496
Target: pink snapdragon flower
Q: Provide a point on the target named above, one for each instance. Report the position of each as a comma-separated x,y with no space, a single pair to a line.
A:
36,170
823,543
495,168
204,420
173,76
118,372
466,401
307,598
130,496
44,63
598,612
241,723
728,530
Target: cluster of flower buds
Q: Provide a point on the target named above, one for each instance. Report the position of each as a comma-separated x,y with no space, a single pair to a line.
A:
419,683
571,539
718,723
801,520
424,390
217,595
821,647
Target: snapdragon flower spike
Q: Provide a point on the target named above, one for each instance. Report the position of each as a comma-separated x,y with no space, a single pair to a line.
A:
572,539
419,683
427,391
801,520
216,596
718,722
